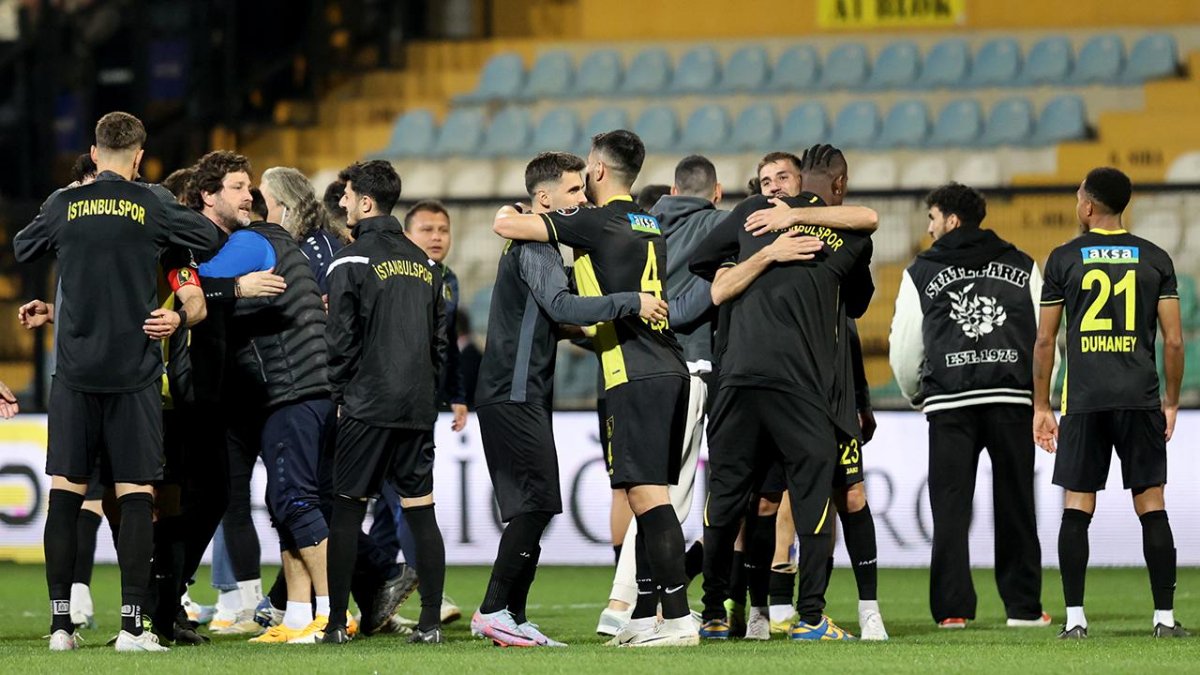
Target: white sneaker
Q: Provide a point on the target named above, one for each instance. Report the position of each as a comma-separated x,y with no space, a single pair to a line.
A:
631,630
62,641
1040,622
197,613
612,621
679,632
870,622
146,642
450,611
243,623
758,625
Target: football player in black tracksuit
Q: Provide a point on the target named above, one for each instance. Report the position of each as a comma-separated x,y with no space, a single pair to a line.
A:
386,336
961,349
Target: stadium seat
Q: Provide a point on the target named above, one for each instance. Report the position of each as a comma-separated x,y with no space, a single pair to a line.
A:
856,125
604,119
980,170
550,77
905,126
946,65
1048,62
896,67
501,79
414,134
958,124
924,172
698,71
658,128
845,67
1185,169
875,173
798,69
648,74
998,63
1063,119
1099,61
461,133
599,74
1154,56
1009,123
557,130
507,134
805,125
755,129
707,129
747,70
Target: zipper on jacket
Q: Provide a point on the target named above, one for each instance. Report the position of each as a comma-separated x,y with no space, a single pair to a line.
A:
262,370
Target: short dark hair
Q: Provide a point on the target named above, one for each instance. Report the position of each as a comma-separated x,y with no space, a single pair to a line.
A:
376,179
695,175
961,200
777,156
649,195
177,182
1109,187
333,199
258,204
120,131
209,174
823,158
623,152
83,167
427,205
547,167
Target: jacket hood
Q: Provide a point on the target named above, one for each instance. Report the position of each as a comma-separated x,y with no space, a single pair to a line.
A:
376,224
968,247
673,210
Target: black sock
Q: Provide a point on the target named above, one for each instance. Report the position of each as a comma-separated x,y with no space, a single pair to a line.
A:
617,554
431,563
738,584
760,545
1158,545
782,587
693,560
1073,554
278,593
519,596
858,530
135,549
86,526
665,553
647,591
518,543
341,550
718,564
814,554
59,543
166,568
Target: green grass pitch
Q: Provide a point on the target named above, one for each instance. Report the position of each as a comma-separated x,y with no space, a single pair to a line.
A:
566,601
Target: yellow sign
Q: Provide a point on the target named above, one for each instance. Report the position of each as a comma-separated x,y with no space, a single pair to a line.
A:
860,14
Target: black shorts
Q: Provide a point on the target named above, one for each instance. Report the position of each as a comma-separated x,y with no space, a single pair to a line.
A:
123,432
518,443
95,488
849,469
366,455
1086,442
751,429
775,480
644,431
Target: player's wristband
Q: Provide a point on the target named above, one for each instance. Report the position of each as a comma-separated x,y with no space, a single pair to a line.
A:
182,317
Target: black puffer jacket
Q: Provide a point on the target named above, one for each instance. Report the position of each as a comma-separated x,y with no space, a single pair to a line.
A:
280,342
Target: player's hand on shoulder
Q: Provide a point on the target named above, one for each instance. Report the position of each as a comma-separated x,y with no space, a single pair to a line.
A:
653,309
262,284
770,220
792,247
1045,430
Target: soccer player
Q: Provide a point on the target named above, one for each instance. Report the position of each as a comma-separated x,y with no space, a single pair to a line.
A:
106,397
621,248
387,340
774,399
1116,289
529,299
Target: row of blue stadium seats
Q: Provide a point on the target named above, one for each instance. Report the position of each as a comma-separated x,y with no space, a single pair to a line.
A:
949,64
711,128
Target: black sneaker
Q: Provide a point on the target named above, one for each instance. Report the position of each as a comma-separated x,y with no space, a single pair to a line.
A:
1176,631
186,635
433,636
389,597
1076,633
336,636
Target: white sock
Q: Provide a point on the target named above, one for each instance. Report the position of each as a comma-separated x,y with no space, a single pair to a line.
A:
322,605
781,612
81,598
299,615
1075,618
643,624
230,601
1164,616
251,593
759,611
868,606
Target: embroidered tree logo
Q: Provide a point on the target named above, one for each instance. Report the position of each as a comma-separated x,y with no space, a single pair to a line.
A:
976,316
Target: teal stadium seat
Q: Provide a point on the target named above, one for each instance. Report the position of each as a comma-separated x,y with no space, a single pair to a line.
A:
649,73
755,129
1100,61
748,70
658,128
906,126
1063,119
896,67
1009,123
599,74
845,67
507,134
798,69
461,133
707,130
998,64
946,65
501,80
552,76
959,124
1152,57
1048,62
604,119
698,71
414,134
856,125
806,125
557,130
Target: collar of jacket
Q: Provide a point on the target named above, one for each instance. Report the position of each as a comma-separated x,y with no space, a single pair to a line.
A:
377,224
109,175
969,247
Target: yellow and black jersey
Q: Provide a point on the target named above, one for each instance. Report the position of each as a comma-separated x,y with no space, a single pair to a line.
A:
1109,284
620,248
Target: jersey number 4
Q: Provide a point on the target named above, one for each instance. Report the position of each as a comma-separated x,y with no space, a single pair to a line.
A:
1127,286
652,284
